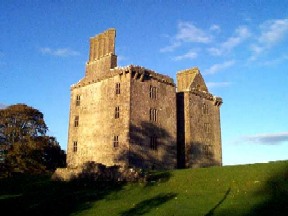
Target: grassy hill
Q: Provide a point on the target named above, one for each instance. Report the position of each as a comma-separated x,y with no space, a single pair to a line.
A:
256,189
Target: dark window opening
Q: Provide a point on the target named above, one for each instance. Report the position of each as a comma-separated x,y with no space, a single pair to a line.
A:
153,115
116,141
205,109
117,112
117,91
207,127
153,92
75,146
76,121
78,100
153,143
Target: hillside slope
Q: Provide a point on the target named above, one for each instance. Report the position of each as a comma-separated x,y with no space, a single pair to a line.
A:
258,189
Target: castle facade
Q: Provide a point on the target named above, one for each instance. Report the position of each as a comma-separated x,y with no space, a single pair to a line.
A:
134,117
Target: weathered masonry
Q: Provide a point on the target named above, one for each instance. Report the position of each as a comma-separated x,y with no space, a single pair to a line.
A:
134,117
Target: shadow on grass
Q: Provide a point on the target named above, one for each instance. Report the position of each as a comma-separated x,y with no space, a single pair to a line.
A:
46,197
211,212
147,205
276,190
39,195
157,177
274,194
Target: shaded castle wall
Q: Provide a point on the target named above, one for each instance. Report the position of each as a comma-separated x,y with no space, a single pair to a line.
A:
198,122
97,123
153,122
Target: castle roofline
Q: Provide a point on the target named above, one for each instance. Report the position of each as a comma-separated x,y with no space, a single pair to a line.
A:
191,70
133,69
142,70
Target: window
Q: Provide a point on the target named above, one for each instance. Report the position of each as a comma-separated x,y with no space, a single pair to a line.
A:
78,100
117,112
207,150
205,109
207,127
116,141
153,92
117,90
153,143
153,115
76,121
75,146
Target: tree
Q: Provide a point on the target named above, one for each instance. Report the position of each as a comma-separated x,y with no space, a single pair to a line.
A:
23,139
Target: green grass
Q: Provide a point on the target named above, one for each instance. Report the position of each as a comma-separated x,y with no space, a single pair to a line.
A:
258,189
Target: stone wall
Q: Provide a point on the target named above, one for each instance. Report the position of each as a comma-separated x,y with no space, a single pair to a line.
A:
97,123
199,132
153,122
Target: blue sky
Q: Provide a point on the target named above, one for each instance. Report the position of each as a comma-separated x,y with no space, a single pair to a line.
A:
240,48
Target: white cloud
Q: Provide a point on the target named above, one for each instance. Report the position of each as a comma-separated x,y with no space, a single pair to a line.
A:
217,84
189,55
218,67
61,52
187,33
267,139
215,28
241,34
171,47
272,32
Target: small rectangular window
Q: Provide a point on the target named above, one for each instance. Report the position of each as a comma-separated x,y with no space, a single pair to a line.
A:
153,92
117,90
75,146
78,100
207,127
153,143
153,115
76,121
205,109
117,112
207,150
116,141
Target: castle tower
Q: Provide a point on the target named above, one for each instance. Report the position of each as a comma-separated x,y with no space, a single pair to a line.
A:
121,115
198,122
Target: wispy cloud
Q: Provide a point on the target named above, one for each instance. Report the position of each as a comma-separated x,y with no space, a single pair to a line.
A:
187,32
241,34
189,55
267,139
121,58
60,52
215,28
219,67
170,48
217,84
275,61
271,33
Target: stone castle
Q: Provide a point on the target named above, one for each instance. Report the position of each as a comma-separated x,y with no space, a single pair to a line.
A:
134,117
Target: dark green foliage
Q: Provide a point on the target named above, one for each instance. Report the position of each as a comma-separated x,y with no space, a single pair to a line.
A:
24,146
